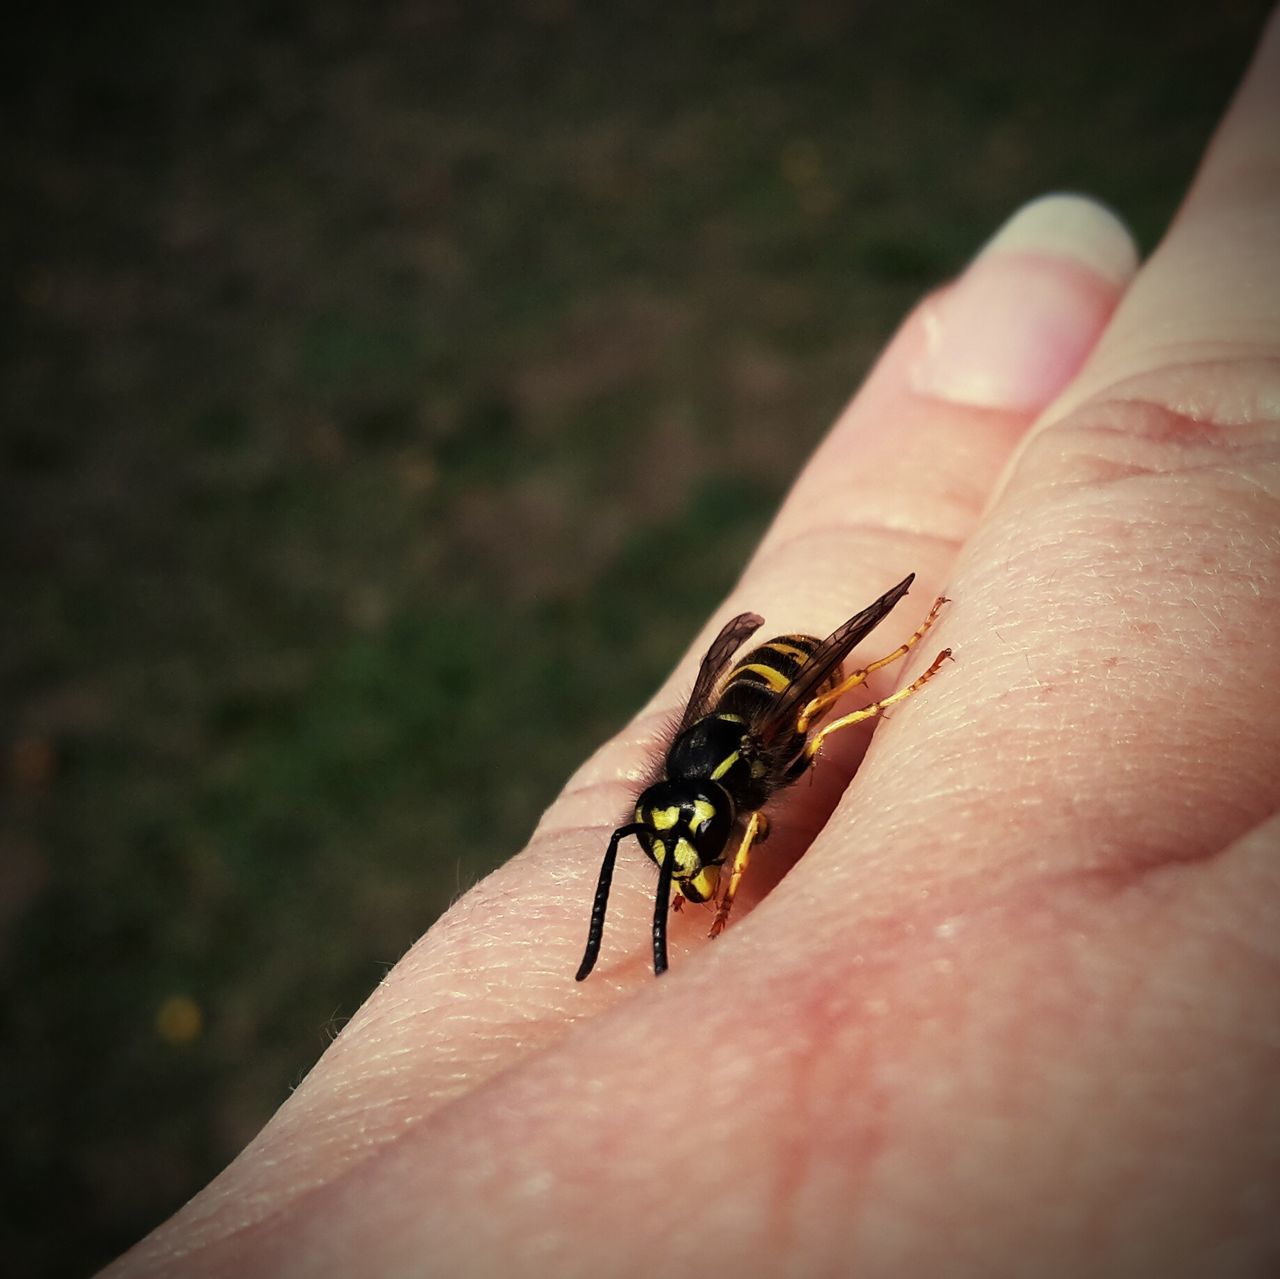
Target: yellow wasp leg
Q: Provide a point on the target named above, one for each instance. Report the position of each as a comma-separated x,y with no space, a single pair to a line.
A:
824,701
814,745
757,831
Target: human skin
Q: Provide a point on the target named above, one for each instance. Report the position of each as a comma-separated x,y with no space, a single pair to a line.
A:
1016,1010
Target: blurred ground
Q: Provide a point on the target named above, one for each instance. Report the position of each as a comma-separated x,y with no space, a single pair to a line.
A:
388,392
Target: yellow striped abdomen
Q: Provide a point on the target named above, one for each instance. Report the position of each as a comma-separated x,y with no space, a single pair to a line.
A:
766,672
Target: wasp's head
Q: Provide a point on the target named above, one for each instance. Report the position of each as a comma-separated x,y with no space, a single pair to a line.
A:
684,826
689,820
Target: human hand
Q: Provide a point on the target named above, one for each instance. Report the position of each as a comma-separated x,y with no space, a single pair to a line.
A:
1016,1008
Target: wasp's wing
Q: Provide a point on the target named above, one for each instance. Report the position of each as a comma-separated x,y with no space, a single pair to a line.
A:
723,647
782,715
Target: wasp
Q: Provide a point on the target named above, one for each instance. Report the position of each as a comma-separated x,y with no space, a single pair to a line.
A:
744,736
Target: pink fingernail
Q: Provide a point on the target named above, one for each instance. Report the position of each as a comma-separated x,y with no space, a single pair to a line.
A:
1018,324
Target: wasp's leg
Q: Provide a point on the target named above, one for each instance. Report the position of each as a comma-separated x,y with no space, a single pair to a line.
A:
677,900
756,833
824,701
876,708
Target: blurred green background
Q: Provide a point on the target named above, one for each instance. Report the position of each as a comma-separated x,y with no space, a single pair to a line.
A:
389,390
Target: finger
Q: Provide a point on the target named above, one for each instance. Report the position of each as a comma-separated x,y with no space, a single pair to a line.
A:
1209,293
909,465
1115,616
896,487
917,450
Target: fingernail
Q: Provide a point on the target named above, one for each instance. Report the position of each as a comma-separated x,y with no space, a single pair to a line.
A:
1017,325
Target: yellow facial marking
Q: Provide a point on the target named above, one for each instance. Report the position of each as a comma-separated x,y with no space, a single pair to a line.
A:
687,859
703,812
705,882
664,818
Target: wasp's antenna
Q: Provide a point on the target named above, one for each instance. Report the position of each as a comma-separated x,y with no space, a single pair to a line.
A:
661,909
595,933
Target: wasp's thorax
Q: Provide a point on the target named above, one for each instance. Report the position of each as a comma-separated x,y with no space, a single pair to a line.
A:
721,747
688,819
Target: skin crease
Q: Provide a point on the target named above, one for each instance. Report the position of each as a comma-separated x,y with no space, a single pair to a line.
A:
1016,1009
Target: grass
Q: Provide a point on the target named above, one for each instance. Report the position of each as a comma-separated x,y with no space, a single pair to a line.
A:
389,392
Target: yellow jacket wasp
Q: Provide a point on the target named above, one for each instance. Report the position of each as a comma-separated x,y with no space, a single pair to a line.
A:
742,737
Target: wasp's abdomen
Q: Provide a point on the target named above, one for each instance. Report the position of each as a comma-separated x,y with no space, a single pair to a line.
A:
765,673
